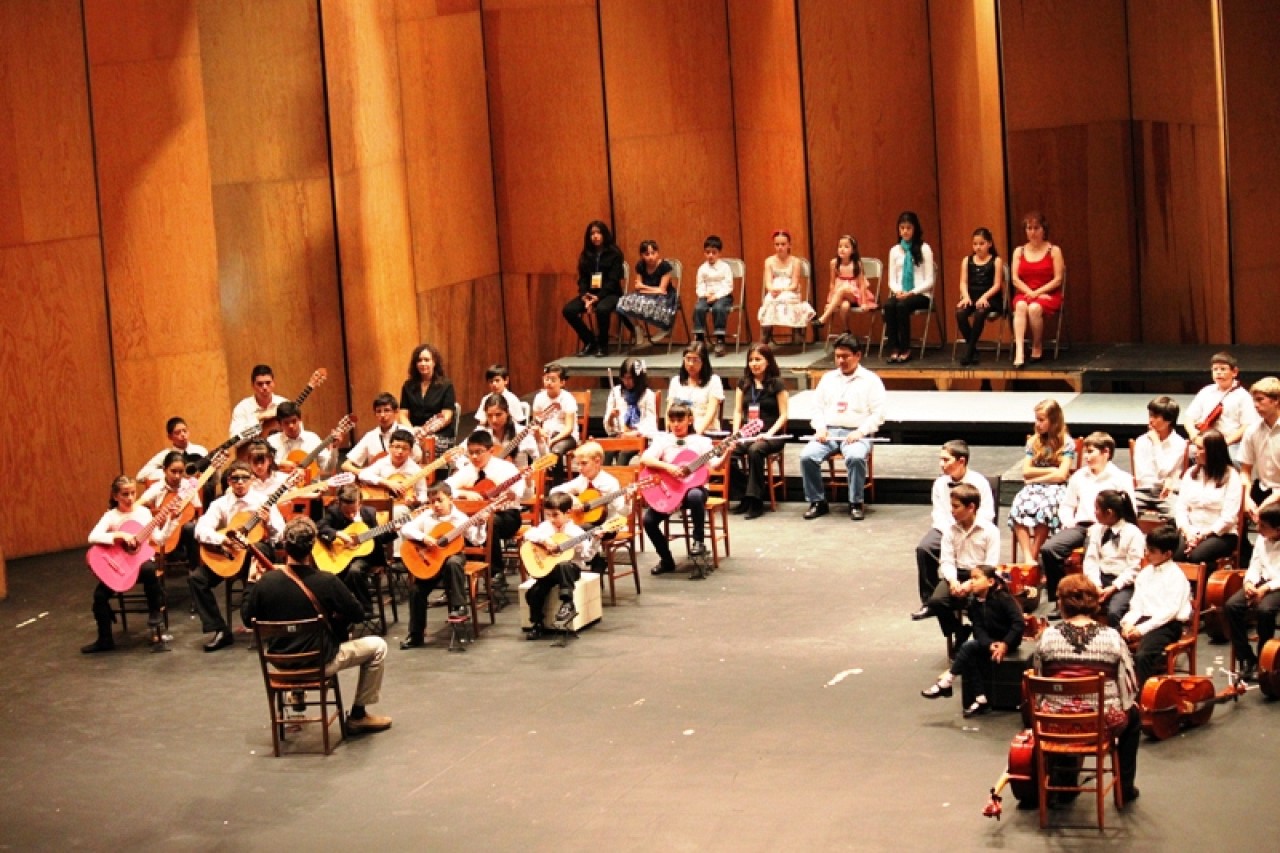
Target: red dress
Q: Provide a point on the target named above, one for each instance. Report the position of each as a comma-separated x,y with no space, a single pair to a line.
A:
1035,275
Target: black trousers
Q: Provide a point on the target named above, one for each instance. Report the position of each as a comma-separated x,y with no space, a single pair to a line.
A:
1054,553
897,319
203,581
603,309
970,321
695,501
928,557
102,595
506,524
1149,659
453,575
564,576
756,453
1238,616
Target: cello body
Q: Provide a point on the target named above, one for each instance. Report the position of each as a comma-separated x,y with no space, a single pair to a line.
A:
1269,669
1222,584
1170,703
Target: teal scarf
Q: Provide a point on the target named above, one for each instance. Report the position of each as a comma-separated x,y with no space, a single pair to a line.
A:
908,267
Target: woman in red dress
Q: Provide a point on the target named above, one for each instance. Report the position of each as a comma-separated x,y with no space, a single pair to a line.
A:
1038,273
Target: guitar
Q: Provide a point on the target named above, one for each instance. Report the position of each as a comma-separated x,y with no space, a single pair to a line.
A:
183,506
511,445
298,501
1170,703
487,490
539,560
399,485
668,493
336,556
425,561
236,440
118,565
244,528
594,504
268,420
306,462
431,427
1020,774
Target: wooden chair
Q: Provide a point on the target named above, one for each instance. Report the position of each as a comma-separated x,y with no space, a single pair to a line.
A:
838,477
717,529
682,313
1186,644
872,269
479,571
1073,736
287,676
624,543
583,399
775,472
135,600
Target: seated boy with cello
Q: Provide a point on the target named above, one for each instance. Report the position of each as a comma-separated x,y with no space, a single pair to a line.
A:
1261,593
420,531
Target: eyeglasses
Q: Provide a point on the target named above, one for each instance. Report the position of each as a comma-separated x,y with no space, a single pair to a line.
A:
239,478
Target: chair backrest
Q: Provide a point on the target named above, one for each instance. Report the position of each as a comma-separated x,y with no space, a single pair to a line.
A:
873,269
477,552
1195,574
583,399
738,268
312,642
806,270
1068,711
718,479
677,275
621,443
626,277
626,475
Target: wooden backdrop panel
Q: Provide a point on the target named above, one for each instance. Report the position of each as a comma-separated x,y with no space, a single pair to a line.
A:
269,165
1250,29
547,123
868,125
54,335
157,220
460,320
769,126
447,154
46,151
372,207
970,135
671,137
1070,153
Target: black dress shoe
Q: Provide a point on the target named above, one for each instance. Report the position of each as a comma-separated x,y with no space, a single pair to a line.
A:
816,510
923,613
533,632
221,639
977,709
757,510
412,643
1248,670
663,568
742,507
586,350
1131,795
856,513
937,691
98,646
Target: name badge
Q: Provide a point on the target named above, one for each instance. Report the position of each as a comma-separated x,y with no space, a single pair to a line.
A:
841,407
597,281
753,411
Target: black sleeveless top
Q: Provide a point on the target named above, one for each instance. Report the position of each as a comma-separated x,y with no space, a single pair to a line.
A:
981,277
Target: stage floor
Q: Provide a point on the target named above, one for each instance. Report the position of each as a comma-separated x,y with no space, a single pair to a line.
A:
772,707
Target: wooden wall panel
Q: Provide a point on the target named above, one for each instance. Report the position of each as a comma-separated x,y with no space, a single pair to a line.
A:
269,166
157,221
671,136
970,134
372,207
1070,153
869,124
1250,29
1182,234
551,170
449,167
769,126
54,334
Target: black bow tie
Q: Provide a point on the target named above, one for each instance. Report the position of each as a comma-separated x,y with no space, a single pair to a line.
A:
1108,535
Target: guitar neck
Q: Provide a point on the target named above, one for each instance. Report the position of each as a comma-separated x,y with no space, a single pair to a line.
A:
302,398
515,441
467,525
715,450
391,526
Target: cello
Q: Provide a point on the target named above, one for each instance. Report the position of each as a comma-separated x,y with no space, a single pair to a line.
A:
1019,775
1269,669
1170,703
1222,584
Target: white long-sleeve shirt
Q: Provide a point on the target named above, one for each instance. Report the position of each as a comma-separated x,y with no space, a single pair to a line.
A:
1206,508
377,442
247,412
940,499
1155,461
922,278
714,281
967,548
113,519
1120,558
1077,504
1237,408
1264,567
1161,593
225,508
1260,448
420,526
152,470
306,441
852,401
604,483
583,551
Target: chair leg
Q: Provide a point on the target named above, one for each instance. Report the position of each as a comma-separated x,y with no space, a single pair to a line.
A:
1042,781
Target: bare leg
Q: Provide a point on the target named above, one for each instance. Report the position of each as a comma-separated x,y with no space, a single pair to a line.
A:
1035,314
1037,541
1019,332
1023,537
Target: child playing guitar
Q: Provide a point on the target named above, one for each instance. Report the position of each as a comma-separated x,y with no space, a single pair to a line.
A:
555,511
419,530
664,448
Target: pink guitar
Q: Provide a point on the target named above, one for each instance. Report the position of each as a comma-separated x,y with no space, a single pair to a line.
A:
117,565
668,493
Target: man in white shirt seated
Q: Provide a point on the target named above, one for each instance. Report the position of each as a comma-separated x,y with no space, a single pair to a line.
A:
1158,457
850,410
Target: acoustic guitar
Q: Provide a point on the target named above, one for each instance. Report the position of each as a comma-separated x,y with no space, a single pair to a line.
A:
306,462
298,501
400,485
244,528
668,493
184,505
595,504
539,560
268,420
425,561
512,444
1171,703
1269,669
433,425
224,449
488,490
118,565
336,556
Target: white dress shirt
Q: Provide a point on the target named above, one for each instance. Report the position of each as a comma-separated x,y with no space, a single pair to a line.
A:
1155,461
1260,448
377,442
1264,567
1161,593
964,549
497,470
714,281
583,551
1206,508
559,421
604,483
384,468
306,441
853,401
420,526
940,499
247,411
1237,408
1077,504
153,470
1120,558
225,508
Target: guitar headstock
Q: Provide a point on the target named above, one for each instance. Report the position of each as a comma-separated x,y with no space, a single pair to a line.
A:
544,462
248,435
295,479
455,453
338,480
433,425
752,428
318,378
344,426
611,526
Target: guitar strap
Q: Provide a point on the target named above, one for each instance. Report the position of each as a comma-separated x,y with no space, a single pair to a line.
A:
315,602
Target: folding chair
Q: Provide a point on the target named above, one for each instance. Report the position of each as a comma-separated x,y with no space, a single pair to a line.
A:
872,269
